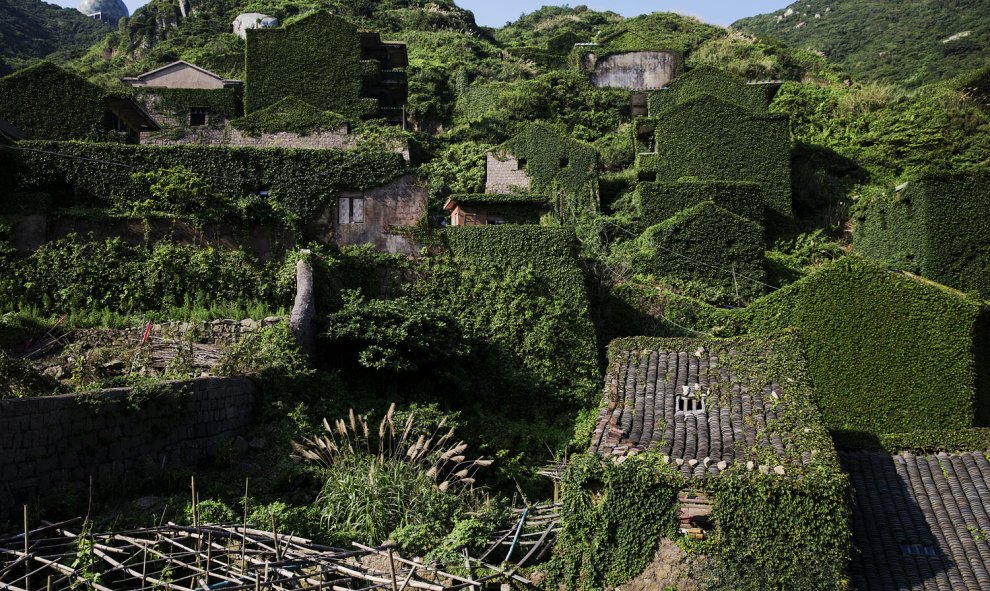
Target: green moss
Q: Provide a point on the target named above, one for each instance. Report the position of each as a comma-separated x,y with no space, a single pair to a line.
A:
937,226
47,102
316,59
289,115
888,353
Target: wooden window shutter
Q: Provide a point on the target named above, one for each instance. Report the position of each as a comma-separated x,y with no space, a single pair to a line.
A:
344,210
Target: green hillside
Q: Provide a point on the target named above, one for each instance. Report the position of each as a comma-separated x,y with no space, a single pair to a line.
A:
32,30
912,43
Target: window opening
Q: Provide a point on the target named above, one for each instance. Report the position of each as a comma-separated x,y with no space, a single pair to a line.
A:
918,549
564,162
521,164
197,116
691,400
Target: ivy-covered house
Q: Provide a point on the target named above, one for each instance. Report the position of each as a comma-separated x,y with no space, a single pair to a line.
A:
707,439
933,225
48,102
492,209
541,160
328,63
709,126
188,101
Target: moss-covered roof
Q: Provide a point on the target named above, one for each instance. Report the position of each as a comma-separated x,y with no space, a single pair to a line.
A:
757,408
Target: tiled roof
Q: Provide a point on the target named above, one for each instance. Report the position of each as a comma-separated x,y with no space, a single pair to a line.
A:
741,415
920,522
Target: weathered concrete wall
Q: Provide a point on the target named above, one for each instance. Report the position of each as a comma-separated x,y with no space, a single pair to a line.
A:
639,70
30,232
504,174
178,75
55,441
386,210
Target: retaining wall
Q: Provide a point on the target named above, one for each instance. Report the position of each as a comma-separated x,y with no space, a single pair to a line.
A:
55,441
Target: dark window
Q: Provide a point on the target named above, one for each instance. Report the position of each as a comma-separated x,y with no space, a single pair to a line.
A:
197,116
918,549
521,164
564,162
495,221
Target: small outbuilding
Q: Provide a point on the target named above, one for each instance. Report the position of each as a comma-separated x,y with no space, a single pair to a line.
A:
489,209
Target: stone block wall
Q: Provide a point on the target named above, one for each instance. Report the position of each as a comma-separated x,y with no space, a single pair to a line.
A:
230,137
504,174
61,441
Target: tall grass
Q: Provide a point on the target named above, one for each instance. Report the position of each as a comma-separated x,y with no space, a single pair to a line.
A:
375,485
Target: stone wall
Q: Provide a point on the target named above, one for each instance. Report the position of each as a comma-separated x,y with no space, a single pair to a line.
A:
59,441
228,136
504,174
639,70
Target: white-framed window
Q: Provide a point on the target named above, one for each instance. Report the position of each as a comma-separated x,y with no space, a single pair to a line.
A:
690,400
350,210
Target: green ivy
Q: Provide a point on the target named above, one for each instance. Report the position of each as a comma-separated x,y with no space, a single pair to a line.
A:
316,59
707,80
289,115
563,168
659,201
300,183
612,520
888,353
704,244
936,227
223,104
47,102
710,139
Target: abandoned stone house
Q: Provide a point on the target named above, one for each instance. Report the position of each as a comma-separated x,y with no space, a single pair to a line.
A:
701,407
380,217
496,209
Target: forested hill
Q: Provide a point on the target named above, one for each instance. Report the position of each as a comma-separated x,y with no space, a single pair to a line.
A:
910,43
32,30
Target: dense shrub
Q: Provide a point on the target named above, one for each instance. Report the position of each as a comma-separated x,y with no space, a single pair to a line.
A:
80,274
935,227
888,353
397,335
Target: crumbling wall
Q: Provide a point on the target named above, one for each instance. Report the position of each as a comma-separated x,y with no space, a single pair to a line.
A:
638,70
